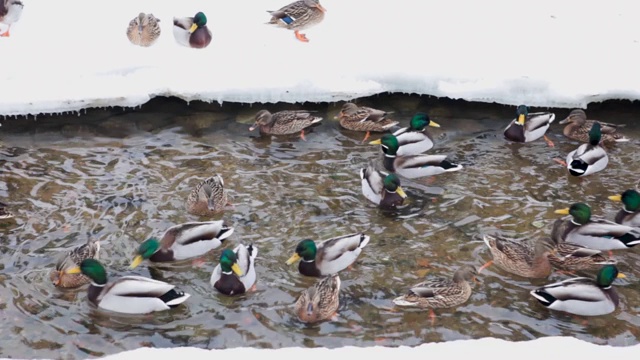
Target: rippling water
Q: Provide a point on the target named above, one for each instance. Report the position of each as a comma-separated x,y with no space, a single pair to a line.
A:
122,176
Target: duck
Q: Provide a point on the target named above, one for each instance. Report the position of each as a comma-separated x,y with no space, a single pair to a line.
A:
630,213
4,212
192,31
519,258
382,189
236,272
440,292
10,13
415,139
581,295
208,198
144,30
578,128
72,259
528,127
183,241
284,122
593,233
319,302
363,118
570,257
588,158
329,256
298,16
128,294
412,166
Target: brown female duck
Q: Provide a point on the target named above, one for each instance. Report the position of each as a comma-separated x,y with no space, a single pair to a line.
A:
578,128
297,16
319,302
363,118
144,30
72,259
519,258
284,122
208,197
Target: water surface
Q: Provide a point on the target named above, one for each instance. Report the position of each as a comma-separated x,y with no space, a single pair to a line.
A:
122,176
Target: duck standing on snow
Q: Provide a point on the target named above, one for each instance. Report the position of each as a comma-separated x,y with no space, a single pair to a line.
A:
284,122
412,166
330,256
415,139
593,233
183,241
582,296
144,30
320,301
236,272
192,31
381,188
297,16
72,259
128,294
10,12
363,118
578,128
4,212
630,213
208,198
588,158
527,127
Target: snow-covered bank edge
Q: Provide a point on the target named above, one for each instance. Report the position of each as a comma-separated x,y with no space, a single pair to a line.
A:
487,348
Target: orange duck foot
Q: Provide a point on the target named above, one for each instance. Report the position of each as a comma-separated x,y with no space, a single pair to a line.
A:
560,161
549,142
302,135
301,37
366,136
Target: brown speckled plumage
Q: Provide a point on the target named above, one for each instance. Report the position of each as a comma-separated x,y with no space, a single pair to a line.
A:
208,197
440,292
320,301
573,257
362,118
578,128
283,122
72,259
521,259
303,14
144,30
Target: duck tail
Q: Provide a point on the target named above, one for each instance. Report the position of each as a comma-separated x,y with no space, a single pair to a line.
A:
174,297
449,166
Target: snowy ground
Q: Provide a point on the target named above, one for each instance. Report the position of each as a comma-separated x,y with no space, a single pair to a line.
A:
71,54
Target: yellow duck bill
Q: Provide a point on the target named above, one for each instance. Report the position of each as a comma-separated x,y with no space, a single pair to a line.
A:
136,261
293,259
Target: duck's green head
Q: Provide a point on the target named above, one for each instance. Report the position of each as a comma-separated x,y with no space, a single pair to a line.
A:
389,144
630,198
521,112
607,274
392,184
229,262
199,20
420,121
91,268
581,213
145,251
305,250
595,134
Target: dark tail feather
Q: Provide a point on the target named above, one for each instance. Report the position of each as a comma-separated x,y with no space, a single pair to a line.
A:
171,295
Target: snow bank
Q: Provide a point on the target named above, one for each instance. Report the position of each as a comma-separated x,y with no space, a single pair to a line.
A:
67,55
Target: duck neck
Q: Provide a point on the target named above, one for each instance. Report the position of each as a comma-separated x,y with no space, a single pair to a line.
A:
94,291
388,162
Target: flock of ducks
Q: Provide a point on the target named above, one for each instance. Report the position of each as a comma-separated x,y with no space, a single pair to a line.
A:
144,30
577,243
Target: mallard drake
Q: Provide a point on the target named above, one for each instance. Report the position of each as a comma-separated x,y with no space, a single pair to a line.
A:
582,296
630,213
414,139
297,16
329,256
4,212
440,292
363,118
192,31
519,258
284,122
573,257
60,278
128,294
183,241
320,301
10,13
236,272
527,127
381,188
578,128
144,30
208,198
412,166
593,233
588,158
